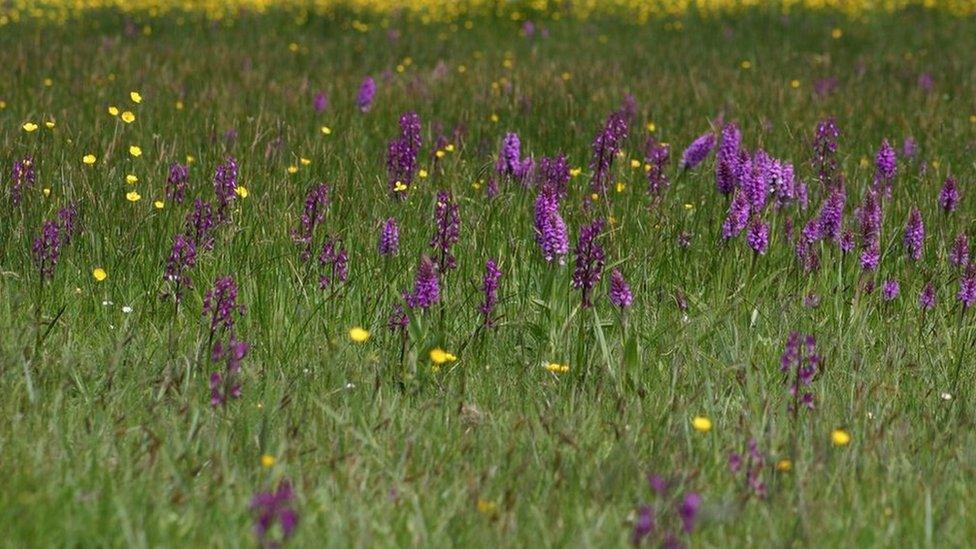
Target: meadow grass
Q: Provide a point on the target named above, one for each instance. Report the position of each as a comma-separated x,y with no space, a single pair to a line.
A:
120,446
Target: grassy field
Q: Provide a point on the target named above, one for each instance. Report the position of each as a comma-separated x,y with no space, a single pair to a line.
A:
109,434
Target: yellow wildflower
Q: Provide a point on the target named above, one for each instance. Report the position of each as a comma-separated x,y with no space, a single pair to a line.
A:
133,196
159,204
135,151
29,126
135,97
131,179
113,110
357,334
99,274
326,130
784,466
267,461
487,508
292,169
439,356
557,368
701,424
128,117
241,191
88,159
840,437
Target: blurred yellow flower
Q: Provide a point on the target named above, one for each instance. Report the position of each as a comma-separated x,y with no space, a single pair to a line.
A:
422,174
439,153
88,159
399,186
595,197
358,334
128,117
267,461
131,179
48,82
49,124
440,356
135,97
241,191
621,186
634,163
326,130
135,150
746,65
179,105
701,424
840,437
99,274
113,110
159,204
46,191
292,169
133,196
794,84
557,368
784,466
836,33
29,126
651,127
190,159
493,118
304,161
487,508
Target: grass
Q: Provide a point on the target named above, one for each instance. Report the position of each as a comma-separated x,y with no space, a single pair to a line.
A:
121,446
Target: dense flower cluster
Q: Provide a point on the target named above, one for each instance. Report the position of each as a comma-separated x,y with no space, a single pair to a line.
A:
447,231
605,147
313,213
401,155
800,364
590,259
